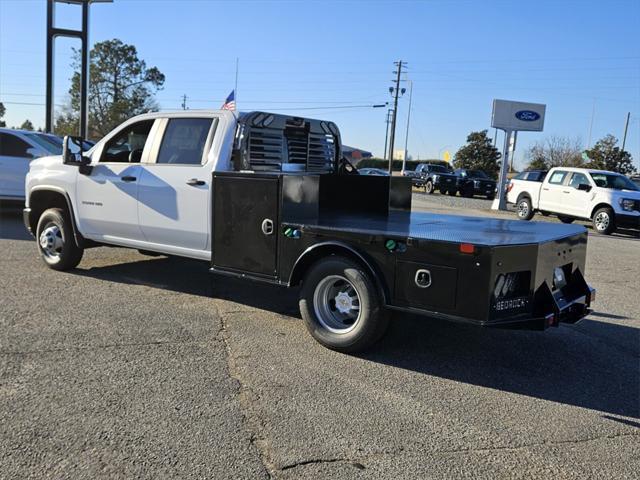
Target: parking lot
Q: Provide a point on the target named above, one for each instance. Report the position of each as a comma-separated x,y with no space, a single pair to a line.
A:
148,367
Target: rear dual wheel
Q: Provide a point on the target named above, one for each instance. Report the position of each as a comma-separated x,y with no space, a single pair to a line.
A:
341,307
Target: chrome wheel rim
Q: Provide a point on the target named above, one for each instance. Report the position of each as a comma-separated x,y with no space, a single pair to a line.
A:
337,304
523,209
602,221
51,242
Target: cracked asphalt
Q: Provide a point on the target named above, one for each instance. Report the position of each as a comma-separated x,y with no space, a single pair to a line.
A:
148,367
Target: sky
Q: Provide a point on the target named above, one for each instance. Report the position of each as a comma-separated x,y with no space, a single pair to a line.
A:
334,60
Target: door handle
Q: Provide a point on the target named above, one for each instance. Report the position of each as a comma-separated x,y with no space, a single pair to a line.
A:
566,191
546,189
267,226
128,178
194,182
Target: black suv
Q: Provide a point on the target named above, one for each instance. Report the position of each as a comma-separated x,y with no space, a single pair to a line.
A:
432,176
475,182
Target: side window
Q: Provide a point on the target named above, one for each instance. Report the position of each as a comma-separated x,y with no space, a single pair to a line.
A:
578,179
183,141
558,177
128,144
12,146
521,176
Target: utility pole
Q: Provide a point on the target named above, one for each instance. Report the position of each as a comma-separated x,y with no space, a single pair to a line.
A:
184,101
593,114
396,93
626,127
386,136
406,137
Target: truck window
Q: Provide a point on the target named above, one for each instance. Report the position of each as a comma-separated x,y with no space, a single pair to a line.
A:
184,140
578,179
12,146
558,177
128,144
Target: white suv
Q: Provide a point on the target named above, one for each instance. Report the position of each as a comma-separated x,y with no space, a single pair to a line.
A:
608,199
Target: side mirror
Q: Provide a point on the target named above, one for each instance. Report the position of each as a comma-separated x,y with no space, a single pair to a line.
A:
72,154
584,187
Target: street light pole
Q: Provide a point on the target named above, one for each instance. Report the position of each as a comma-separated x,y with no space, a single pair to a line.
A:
395,115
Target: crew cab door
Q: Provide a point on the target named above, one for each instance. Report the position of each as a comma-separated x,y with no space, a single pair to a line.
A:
107,198
552,192
173,197
577,202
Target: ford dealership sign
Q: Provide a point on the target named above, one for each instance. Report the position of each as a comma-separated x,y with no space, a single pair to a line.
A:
527,115
518,116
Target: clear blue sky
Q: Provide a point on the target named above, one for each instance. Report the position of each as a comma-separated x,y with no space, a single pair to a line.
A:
578,57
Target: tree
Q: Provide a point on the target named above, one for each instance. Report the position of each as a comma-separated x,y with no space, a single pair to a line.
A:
120,86
479,154
2,112
605,155
26,125
555,151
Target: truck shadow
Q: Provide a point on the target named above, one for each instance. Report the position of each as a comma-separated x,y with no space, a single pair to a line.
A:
591,365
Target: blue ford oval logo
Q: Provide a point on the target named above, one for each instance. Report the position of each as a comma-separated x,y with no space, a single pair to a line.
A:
527,115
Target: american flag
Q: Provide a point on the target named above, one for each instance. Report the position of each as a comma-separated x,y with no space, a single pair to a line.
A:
230,102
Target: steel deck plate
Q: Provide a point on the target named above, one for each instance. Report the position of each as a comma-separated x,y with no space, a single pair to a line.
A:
449,228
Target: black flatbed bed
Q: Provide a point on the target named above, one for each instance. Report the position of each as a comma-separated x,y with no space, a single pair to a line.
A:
482,231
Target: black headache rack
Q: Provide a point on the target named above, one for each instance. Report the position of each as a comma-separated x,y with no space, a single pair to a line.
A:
281,143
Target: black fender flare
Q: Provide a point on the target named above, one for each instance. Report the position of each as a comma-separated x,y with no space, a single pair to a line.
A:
77,236
333,247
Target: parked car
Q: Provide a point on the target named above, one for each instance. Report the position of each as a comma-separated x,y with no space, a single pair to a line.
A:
373,171
17,149
608,199
475,182
433,177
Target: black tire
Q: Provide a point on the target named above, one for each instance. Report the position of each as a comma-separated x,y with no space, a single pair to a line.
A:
324,320
564,219
604,221
56,244
524,209
428,187
467,192
453,193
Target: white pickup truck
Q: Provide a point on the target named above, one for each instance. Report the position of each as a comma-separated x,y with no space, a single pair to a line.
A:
608,199
270,198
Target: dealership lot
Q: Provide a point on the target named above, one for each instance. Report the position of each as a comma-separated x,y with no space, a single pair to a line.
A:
148,367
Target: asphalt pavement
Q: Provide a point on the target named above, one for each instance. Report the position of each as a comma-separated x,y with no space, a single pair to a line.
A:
148,367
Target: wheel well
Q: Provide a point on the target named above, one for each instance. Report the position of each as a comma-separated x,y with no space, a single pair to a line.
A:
598,207
308,259
41,200
523,195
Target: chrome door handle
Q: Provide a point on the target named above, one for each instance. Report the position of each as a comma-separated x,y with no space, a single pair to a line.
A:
194,182
546,189
267,226
566,191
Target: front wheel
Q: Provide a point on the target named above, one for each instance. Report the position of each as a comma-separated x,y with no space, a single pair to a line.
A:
604,221
524,209
56,244
341,307
452,193
428,187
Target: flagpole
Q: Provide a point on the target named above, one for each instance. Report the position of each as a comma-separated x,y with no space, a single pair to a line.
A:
235,90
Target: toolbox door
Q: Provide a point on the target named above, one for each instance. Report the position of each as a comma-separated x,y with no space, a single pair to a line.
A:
245,224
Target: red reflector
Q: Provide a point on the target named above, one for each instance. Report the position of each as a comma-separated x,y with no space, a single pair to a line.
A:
467,248
551,319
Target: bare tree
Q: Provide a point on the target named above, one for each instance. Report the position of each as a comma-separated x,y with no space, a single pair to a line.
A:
555,151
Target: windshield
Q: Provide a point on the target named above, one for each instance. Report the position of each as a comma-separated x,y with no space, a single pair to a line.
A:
476,174
437,169
46,143
613,181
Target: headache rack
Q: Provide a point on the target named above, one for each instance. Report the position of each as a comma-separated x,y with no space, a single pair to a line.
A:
273,142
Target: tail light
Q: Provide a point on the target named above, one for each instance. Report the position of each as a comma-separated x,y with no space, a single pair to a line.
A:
509,187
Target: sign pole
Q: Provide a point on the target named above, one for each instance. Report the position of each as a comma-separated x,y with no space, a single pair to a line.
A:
500,202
